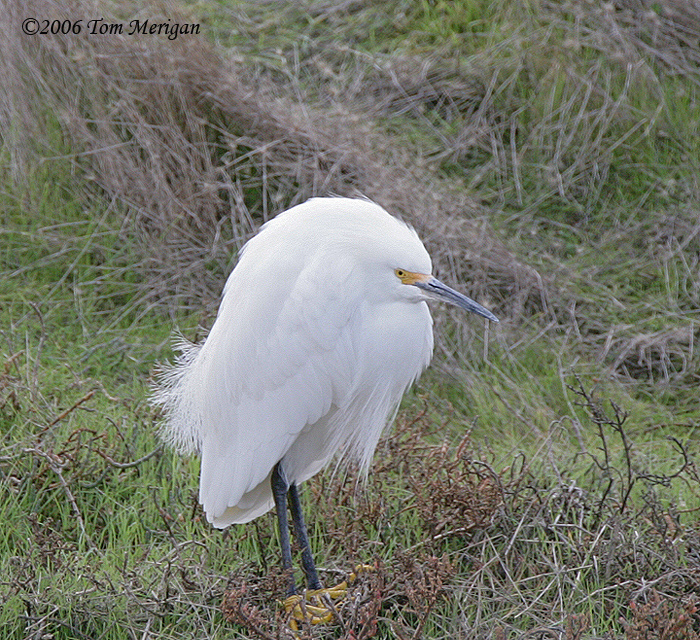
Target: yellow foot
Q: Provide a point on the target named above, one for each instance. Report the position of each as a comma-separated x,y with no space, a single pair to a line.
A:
319,606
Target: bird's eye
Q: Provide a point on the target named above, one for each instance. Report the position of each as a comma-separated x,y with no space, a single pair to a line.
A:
406,277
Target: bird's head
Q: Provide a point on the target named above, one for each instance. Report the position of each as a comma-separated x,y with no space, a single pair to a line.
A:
425,285
396,253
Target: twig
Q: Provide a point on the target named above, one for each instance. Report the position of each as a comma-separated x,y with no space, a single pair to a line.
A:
128,465
39,349
62,415
57,469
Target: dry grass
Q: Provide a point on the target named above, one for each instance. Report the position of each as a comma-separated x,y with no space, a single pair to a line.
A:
495,541
195,150
553,170
464,542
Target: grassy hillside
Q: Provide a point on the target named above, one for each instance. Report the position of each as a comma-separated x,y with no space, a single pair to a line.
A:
541,479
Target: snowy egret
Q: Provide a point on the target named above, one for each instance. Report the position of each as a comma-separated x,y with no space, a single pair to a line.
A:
322,327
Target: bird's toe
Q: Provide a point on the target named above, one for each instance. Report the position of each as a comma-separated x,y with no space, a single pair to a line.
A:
320,606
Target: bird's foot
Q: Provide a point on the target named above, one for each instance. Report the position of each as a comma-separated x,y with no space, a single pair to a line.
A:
320,606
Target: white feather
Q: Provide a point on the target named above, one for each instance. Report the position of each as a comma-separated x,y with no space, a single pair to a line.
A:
295,366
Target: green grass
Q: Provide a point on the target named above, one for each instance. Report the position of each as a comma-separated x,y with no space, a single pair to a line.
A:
512,496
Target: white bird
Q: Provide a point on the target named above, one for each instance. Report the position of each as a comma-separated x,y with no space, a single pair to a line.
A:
322,327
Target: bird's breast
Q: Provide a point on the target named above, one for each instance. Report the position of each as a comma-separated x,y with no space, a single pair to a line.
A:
397,342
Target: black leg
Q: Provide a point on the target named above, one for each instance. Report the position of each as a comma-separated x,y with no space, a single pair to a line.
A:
280,486
307,560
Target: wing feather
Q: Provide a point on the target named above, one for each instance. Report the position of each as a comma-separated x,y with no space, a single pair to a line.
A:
287,370
244,395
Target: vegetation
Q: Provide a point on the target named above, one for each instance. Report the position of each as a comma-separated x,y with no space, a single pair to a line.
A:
542,479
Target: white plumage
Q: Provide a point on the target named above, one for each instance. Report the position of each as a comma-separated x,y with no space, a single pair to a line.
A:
316,339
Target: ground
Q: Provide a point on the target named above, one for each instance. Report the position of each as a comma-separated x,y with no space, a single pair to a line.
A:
541,480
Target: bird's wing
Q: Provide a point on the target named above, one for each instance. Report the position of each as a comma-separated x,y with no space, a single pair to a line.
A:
274,363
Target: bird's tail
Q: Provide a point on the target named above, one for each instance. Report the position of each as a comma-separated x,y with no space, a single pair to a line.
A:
173,392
